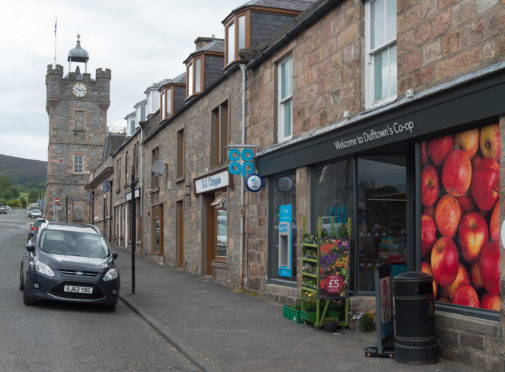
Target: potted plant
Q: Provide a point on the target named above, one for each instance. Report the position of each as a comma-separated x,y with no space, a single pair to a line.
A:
330,324
364,321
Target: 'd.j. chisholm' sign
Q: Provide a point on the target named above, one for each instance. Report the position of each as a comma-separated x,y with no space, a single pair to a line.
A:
370,135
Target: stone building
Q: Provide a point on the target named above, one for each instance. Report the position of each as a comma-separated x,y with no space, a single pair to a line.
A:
77,107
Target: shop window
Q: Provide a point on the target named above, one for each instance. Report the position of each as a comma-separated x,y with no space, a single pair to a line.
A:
78,164
285,98
282,191
381,73
460,186
382,207
219,133
332,200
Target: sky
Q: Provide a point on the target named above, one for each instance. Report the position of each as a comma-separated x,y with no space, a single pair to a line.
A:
141,41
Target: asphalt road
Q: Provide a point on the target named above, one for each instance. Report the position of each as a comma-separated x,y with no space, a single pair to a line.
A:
70,337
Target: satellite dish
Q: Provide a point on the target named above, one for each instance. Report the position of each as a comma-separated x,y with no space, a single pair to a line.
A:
158,168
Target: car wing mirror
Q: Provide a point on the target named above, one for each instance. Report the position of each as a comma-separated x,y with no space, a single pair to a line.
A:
30,247
114,255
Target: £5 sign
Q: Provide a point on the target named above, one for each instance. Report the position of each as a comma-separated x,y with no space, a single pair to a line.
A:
236,166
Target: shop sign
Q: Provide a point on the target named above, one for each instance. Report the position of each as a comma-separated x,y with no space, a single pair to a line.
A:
246,167
375,134
334,269
216,181
254,182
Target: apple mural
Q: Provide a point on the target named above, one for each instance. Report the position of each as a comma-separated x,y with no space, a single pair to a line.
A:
486,184
494,224
461,278
490,302
439,148
444,261
476,279
466,203
466,295
429,185
428,234
426,268
490,145
472,235
489,267
457,173
467,141
447,215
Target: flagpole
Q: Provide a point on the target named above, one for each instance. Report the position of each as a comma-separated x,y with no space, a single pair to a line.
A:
55,25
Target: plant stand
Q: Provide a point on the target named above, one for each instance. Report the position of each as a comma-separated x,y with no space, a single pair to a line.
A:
310,284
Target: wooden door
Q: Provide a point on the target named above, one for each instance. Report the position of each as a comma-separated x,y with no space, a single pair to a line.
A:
180,234
211,246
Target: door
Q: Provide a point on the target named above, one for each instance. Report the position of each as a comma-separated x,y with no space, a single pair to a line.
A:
157,230
210,238
180,234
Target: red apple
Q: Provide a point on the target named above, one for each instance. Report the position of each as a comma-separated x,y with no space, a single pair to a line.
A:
490,142
467,141
426,268
444,261
490,302
486,184
457,173
429,186
428,234
489,267
424,156
447,215
461,278
438,149
466,203
466,295
494,224
472,235
476,160
476,279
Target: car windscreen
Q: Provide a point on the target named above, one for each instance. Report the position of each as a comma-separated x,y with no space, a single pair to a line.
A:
73,243
36,210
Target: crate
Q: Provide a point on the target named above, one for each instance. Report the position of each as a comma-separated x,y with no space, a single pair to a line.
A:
289,313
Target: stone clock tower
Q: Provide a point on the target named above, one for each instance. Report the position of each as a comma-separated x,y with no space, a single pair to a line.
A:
77,107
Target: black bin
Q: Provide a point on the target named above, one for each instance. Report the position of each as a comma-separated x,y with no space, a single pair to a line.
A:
415,336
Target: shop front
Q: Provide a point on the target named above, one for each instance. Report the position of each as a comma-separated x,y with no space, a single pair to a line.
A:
417,183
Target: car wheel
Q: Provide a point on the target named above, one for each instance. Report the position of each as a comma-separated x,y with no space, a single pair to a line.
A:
21,280
27,299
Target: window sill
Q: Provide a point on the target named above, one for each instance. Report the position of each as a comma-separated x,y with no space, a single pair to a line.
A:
220,264
154,190
179,179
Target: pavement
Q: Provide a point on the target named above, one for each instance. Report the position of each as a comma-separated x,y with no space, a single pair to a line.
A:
219,329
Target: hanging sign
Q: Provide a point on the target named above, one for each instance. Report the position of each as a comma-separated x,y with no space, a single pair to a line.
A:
334,269
246,167
254,182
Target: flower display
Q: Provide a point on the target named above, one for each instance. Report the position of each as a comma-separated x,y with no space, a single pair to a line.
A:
334,268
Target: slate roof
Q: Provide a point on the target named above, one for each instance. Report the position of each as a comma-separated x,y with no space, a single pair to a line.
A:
112,142
215,46
181,79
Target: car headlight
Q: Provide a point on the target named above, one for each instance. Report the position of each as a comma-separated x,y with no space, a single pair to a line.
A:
44,269
111,274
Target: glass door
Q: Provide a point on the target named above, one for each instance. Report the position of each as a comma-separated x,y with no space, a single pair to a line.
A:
381,212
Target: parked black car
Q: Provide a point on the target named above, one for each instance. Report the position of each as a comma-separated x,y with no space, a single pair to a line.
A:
69,263
35,225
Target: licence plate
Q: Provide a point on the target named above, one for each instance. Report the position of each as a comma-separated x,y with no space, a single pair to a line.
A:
78,289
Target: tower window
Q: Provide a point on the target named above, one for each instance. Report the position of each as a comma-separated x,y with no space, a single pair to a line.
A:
78,164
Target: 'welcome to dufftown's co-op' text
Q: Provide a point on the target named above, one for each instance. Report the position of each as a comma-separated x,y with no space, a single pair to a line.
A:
374,135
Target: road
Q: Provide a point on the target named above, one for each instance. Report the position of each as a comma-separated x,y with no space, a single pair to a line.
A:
70,337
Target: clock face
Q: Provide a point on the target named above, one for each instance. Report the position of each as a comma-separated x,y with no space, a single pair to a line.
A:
79,90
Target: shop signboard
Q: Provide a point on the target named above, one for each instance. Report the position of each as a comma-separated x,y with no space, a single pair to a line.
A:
334,269
460,185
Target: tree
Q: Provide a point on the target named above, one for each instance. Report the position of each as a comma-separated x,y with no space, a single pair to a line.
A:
33,197
23,203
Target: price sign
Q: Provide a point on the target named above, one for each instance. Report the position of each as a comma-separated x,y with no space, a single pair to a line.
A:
333,284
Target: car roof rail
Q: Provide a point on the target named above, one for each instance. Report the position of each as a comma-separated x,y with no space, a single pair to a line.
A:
94,228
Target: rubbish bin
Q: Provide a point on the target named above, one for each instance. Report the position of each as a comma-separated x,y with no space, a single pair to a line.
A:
415,336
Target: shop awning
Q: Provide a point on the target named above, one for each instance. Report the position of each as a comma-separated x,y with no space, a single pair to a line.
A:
219,200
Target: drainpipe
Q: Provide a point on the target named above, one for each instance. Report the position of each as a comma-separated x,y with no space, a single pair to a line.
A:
242,213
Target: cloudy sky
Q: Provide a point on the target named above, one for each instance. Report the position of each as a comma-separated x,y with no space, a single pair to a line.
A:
141,41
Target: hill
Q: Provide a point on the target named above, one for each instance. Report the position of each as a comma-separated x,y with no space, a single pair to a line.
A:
26,174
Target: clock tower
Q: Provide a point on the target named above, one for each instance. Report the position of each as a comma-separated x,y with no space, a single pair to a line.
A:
77,107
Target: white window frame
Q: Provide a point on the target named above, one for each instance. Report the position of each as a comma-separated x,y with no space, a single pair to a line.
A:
282,101
369,60
163,97
76,164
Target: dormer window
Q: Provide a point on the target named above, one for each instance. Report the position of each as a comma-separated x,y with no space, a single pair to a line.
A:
141,113
194,75
153,101
166,96
236,36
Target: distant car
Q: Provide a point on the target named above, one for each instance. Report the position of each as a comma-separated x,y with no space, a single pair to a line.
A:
35,225
3,210
34,212
69,263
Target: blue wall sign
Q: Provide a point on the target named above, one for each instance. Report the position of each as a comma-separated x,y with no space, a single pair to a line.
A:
246,167
254,182
285,240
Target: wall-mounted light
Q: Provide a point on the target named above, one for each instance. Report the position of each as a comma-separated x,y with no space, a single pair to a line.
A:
347,114
409,93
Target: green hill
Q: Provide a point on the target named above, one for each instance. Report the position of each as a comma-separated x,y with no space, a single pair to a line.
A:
26,174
